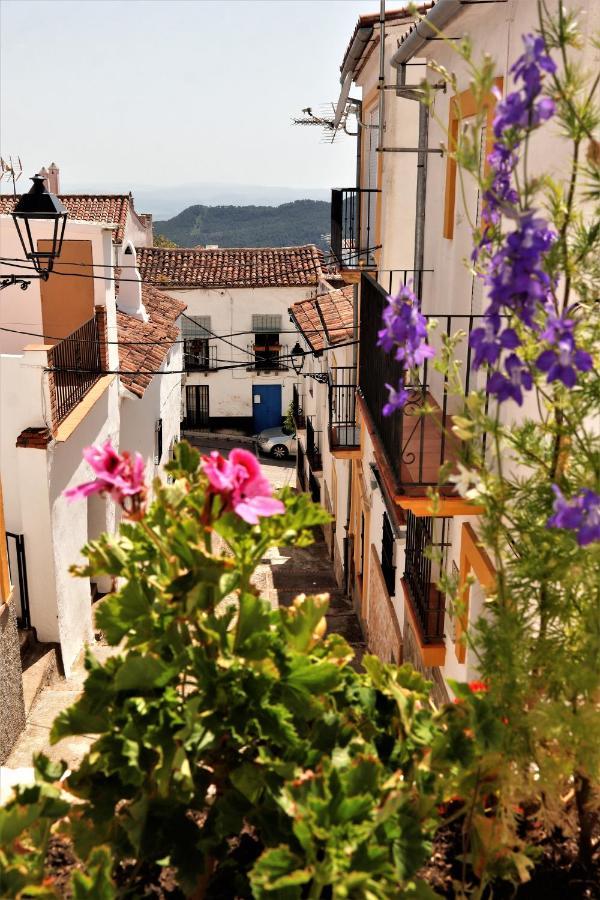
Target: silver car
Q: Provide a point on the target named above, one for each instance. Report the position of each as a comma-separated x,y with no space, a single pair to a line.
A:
277,442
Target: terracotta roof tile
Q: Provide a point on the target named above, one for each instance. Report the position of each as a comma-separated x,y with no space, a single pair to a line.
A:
88,208
371,20
231,266
326,319
163,312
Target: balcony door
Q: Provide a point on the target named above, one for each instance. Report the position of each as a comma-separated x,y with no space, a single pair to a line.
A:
67,303
368,227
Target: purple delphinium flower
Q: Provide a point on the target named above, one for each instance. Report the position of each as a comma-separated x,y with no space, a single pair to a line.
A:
581,514
396,400
511,385
488,341
562,360
405,329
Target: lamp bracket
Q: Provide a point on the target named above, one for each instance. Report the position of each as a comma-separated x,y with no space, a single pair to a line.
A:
10,280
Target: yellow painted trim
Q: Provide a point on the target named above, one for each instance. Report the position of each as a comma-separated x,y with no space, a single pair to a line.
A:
76,417
431,654
473,558
462,106
444,506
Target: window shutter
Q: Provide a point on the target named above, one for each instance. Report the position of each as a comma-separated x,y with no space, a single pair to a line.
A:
158,441
196,327
266,324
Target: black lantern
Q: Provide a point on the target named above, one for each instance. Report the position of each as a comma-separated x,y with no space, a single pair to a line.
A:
297,358
40,205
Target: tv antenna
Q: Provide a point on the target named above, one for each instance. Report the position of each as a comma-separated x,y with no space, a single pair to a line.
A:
11,171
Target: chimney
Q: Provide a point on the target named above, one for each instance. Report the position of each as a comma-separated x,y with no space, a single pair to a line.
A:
44,173
129,298
53,179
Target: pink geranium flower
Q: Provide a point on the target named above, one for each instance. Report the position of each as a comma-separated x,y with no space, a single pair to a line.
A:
118,476
240,484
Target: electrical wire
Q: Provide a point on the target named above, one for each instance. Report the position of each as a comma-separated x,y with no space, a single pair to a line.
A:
186,371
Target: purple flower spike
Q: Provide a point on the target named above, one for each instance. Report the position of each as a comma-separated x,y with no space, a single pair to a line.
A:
396,400
511,386
563,360
581,514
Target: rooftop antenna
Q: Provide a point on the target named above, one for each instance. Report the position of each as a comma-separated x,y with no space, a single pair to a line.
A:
11,171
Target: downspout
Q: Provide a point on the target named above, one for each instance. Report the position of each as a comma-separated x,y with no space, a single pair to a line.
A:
381,79
421,199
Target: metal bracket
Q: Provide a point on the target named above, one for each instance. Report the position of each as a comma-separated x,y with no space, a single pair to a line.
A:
410,150
10,280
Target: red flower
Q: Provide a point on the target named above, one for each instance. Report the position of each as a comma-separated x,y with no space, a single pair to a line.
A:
478,687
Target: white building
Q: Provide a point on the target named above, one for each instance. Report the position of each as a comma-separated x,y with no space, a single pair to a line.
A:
408,219
60,392
236,328
324,409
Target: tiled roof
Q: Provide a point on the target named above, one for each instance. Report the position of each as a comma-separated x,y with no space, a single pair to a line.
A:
231,266
88,208
371,20
327,318
163,312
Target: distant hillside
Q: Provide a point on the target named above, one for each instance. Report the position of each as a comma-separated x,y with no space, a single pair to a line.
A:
300,222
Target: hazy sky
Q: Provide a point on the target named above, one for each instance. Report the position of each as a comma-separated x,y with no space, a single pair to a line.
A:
163,92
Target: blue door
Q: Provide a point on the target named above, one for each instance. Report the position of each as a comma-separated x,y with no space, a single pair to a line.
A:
266,406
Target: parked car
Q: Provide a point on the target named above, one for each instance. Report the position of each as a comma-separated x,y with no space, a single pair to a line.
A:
277,442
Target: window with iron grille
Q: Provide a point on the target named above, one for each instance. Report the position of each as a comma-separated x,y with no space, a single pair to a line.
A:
427,542
158,436
387,556
196,331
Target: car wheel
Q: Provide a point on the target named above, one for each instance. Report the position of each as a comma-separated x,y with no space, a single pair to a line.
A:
279,451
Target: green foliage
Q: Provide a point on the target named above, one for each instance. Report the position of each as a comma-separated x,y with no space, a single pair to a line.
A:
220,716
287,225
161,241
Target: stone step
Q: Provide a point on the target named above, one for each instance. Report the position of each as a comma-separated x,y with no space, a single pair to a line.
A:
40,665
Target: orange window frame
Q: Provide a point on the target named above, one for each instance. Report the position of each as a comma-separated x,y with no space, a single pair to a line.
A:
462,106
473,558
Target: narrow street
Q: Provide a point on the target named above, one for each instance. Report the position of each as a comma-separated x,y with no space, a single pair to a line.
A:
282,575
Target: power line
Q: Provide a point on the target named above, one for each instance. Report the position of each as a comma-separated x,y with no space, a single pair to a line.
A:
186,371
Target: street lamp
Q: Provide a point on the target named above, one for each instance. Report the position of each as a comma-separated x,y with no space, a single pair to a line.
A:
297,358
38,205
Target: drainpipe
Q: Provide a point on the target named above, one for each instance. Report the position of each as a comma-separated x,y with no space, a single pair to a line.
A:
421,198
381,80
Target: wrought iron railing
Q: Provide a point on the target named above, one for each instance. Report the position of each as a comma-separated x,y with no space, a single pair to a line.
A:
76,365
199,356
300,466
343,430
353,226
387,556
313,446
298,406
418,439
392,279
17,565
314,487
425,556
268,359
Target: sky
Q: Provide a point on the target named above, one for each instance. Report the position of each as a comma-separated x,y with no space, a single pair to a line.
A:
165,92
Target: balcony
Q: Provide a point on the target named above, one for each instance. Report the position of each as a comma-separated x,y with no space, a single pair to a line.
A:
300,467
199,356
417,440
313,446
314,488
268,358
425,557
76,365
298,406
343,432
353,227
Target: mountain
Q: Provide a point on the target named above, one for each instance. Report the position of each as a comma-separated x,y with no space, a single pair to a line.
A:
166,201
300,222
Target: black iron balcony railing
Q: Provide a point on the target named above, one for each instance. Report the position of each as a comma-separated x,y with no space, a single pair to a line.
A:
314,488
298,406
300,466
268,359
76,366
425,556
199,355
313,446
353,226
417,440
343,430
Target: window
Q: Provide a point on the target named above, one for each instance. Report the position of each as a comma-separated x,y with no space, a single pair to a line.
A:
158,435
196,348
266,330
387,556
